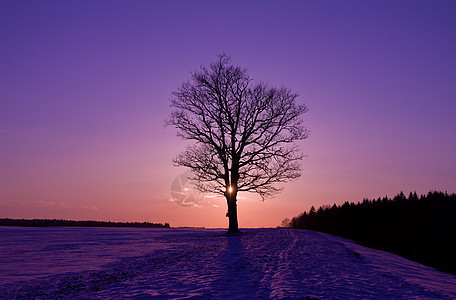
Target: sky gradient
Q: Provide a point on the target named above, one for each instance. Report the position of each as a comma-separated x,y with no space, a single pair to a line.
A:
85,89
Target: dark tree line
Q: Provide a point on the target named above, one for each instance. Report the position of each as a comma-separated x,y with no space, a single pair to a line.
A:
54,222
422,228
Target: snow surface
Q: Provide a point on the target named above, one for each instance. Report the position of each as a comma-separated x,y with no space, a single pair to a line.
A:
143,263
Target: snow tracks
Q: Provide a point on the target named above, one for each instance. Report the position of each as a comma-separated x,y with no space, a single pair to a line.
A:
260,263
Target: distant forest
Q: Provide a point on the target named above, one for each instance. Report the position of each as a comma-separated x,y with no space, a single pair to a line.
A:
422,228
54,222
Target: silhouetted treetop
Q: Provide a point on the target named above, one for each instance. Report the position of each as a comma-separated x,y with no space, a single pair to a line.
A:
244,132
419,228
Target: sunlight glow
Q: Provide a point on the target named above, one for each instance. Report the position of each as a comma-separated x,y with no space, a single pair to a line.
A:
230,189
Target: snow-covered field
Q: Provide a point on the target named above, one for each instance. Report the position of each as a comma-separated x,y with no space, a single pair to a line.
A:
140,263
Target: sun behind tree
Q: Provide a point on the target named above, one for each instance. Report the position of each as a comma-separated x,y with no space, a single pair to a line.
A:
245,134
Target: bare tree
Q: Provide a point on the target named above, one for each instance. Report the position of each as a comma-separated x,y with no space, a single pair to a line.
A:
244,133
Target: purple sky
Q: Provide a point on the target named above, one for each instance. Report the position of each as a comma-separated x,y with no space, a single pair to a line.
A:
85,88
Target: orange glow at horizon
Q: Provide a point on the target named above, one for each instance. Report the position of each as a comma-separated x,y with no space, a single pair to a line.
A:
82,110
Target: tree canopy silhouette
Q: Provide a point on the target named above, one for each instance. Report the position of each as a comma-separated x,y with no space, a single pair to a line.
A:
419,228
244,133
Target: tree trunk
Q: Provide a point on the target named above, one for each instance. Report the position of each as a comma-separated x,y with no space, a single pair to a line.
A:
232,212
